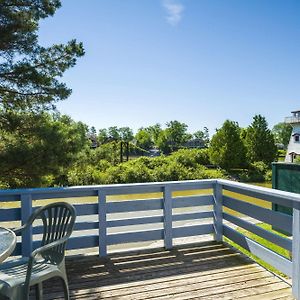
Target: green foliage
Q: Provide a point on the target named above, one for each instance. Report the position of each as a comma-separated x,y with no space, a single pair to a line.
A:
258,171
176,133
126,134
102,136
132,171
34,146
268,175
226,147
181,165
173,137
109,152
86,175
163,142
29,72
281,152
282,133
191,157
202,135
143,139
260,142
154,131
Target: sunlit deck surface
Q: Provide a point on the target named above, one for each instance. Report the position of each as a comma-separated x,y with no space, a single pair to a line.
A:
208,270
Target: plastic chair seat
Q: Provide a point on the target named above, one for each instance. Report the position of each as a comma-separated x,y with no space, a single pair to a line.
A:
13,273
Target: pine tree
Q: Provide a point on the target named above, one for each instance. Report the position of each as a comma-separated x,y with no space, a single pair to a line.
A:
29,72
226,147
259,141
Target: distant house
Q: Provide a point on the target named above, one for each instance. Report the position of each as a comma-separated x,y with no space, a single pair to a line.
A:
94,142
154,152
195,143
293,150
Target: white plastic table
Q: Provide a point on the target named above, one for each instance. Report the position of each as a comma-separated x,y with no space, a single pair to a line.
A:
8,242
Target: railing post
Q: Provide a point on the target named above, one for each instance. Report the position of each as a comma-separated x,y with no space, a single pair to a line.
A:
167,204
218,212
26,211
102,223
296,251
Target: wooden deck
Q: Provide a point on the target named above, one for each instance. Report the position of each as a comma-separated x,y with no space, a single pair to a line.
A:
205,271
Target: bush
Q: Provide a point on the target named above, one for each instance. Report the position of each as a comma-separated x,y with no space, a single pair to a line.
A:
258,172
191,157
85,176
184,164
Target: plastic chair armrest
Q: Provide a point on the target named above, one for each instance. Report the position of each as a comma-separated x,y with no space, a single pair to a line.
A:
49,246
20,229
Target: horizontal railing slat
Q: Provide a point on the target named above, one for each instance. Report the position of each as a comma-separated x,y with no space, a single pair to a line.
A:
265,195
280,220
134,205
277,261
86,209
180,202
79,242
193,216
9,198
65,194
135,221
266,234
77,227
186,231
10,214
136,236
76,242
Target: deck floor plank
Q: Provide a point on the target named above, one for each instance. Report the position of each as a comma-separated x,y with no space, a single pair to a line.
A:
206,271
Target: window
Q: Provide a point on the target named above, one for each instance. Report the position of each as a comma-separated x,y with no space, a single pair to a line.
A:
296,138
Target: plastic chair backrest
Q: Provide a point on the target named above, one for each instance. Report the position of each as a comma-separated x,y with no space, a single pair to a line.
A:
58,221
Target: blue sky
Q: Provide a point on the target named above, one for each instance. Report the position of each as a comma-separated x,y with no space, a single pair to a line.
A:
196,61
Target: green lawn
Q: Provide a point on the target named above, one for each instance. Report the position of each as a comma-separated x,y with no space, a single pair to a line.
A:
265,243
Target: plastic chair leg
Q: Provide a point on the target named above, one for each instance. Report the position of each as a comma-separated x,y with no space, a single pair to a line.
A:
39,291
66,288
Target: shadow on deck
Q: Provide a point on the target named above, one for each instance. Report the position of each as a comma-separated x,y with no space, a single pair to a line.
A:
208,270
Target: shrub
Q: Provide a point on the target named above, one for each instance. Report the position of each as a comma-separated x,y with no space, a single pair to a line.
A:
184,164
191,157
257,171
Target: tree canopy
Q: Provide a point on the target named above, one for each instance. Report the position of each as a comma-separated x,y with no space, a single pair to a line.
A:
143,139
34,146
282,133
202,135
226,149
259,141
29,72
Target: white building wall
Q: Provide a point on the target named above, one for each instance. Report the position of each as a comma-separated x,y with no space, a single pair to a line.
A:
293,146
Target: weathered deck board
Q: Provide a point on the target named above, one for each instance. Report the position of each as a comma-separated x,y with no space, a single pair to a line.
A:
205,271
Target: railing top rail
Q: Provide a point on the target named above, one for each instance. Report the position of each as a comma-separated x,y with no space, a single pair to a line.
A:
260,190
107,188
292,119
135,188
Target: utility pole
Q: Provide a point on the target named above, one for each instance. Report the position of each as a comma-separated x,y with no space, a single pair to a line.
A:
121,151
